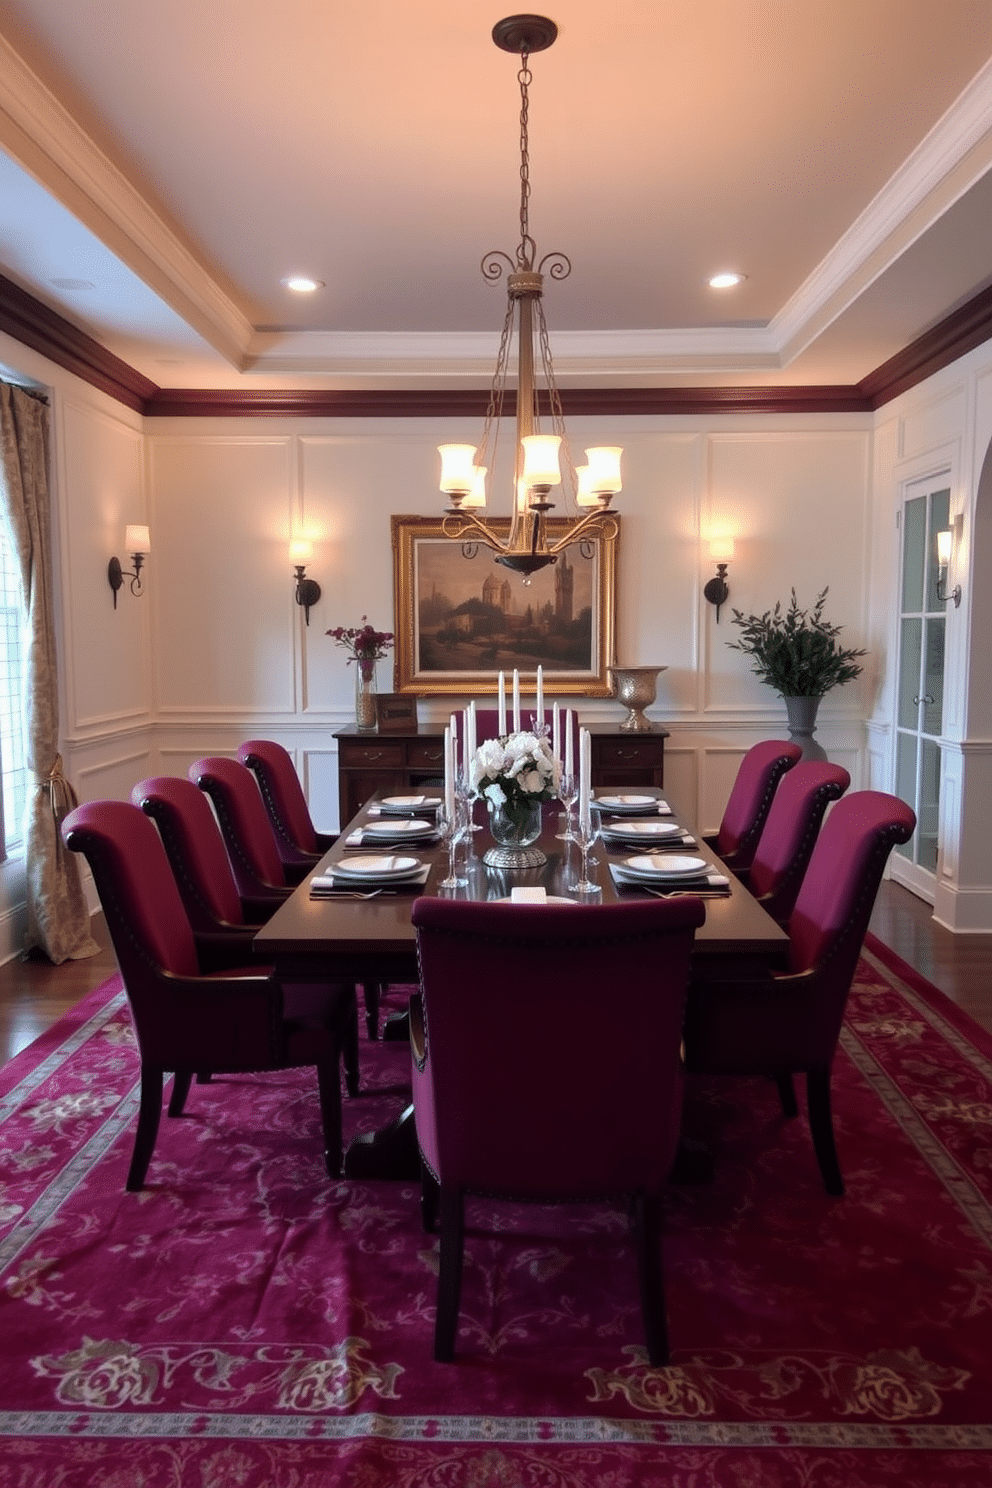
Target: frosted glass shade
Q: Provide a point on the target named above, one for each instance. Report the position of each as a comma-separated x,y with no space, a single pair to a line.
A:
477,496
541,466
722,549
136,539
457,468
604,468
300,550
944,548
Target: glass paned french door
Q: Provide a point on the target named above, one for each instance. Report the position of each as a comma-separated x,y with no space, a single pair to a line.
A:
920,691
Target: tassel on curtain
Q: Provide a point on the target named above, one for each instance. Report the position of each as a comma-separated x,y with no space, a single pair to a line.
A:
58,919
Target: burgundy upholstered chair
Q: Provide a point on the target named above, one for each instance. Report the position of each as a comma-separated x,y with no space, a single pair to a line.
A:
199,860
760,771
185,1021
251,844
245,826
790,832
299,844
546,1067
789,1023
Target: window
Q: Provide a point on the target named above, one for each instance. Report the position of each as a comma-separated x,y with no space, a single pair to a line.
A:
13,752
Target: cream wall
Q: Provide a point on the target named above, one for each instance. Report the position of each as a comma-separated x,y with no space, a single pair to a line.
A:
216,651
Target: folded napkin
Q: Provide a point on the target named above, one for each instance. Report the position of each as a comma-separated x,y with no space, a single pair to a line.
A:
647,844
360,838
528,896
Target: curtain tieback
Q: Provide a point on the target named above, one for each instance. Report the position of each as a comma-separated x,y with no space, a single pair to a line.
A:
60,792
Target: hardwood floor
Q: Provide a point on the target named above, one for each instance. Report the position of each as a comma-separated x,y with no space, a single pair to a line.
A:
34,994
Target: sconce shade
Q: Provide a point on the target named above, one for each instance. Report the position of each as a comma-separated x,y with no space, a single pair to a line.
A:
722,549
944,540
136,539
300,550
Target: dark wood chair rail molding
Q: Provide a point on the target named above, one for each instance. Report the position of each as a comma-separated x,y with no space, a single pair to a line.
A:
34,324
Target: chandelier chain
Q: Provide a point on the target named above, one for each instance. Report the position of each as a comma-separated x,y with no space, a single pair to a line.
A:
525,251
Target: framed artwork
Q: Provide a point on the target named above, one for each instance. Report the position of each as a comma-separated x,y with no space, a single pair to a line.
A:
460,620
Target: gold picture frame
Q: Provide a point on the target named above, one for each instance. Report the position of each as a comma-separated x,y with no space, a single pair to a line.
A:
460,618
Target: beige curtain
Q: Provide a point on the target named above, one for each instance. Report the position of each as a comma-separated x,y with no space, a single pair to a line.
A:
58,922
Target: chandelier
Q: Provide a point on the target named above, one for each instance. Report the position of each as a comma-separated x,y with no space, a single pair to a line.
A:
530,544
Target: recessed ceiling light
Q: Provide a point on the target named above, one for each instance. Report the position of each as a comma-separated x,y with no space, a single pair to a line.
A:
302,283
726,280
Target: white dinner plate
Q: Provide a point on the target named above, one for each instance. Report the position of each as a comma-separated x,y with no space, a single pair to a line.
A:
652,829
403,805
672,865
369,865
623,803
400,828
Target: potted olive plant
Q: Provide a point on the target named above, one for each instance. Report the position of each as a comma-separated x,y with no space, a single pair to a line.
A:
797,653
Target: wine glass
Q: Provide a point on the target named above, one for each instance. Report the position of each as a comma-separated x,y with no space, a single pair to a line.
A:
568,794
587,830
453,828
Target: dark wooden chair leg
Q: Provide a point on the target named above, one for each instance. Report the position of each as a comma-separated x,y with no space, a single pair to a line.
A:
430,1198
821,1125
181,1082
787,1095
372,992
149,1112
449,1282
647,1232
329,1086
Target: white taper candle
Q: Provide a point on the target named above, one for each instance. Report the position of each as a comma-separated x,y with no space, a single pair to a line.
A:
556,731
569,741
449,776
501,720
516,701
540,696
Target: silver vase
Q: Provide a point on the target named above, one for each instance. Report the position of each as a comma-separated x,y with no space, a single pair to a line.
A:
636,687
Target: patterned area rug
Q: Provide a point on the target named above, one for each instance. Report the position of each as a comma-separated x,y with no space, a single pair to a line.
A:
245,1321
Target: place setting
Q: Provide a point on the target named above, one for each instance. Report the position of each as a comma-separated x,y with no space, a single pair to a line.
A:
411,805
393,831
629,803
650,834
670,873
366,874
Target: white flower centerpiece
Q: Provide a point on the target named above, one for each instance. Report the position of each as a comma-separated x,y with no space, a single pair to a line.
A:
513,774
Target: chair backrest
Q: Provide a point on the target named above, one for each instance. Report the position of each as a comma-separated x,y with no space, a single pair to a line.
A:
195,849
753,791
273,768
827,926
244,822
552,1036
145,916
790,832
178,1024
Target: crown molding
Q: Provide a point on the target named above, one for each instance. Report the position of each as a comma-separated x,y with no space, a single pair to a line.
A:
40,134
33,324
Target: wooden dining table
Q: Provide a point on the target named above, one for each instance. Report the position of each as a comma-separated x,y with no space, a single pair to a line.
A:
372,940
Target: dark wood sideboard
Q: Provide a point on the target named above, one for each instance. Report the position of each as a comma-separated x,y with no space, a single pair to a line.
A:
400,763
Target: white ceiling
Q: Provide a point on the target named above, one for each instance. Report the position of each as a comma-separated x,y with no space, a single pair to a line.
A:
179,158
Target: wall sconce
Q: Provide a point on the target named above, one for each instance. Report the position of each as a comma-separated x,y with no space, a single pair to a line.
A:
307,590
137,544
717,591
945,545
